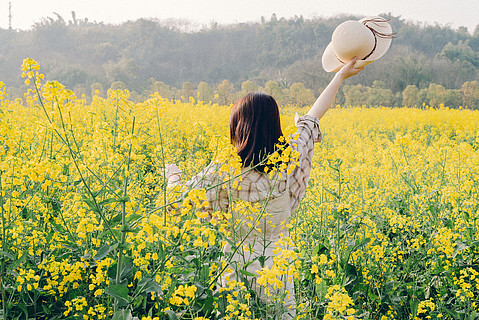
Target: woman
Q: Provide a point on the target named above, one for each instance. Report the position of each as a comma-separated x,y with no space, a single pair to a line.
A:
255,132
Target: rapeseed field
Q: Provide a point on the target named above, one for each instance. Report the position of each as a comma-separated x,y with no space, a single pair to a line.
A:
388,228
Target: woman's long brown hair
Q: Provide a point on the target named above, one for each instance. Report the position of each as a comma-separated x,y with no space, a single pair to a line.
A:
255,128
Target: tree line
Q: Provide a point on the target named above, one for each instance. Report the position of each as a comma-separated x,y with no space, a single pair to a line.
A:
425,64
435,95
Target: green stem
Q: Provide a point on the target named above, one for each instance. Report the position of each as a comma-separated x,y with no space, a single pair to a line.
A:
93,197
405,179
2,271
51,145
165,211
124,226
74,159
339,186
116,125
338,220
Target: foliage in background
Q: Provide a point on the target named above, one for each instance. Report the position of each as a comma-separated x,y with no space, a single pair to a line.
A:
146,55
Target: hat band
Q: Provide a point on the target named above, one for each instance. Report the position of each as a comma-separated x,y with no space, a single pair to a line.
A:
374,48
376,33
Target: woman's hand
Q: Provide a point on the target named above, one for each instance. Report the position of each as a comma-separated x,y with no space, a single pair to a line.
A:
349,70
172,174
326,98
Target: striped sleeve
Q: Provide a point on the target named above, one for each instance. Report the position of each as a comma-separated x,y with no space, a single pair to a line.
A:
303,141
210,180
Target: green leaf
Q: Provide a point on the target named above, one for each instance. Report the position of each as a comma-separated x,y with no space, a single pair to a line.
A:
108,201
123,314
351,275
200,289
147,285
127,228
57,227
336,165
460,246
372,296
474,315
319,249
98,193
124,199
208,304
262,260
140,300
351,270
171,315
321,290
333,193
119,292
247,273
107,232
46,309
205,272
126,268
353,246
116,219
7,255
161,251
90,203
133,217
24,309
413,304
16,263
111,272
102,252
86,256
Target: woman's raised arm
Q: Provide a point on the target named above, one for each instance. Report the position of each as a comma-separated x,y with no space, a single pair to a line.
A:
326,98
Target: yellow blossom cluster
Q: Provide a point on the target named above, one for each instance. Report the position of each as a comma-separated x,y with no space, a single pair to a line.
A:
340,304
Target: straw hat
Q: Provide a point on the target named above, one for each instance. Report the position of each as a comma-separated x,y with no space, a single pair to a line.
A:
368,39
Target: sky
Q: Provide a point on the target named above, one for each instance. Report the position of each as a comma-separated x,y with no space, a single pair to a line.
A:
203,12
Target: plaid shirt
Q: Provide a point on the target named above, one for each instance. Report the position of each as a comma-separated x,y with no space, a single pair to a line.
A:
279,195
256,186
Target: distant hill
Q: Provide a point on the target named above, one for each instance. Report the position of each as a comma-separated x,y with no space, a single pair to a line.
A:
80,54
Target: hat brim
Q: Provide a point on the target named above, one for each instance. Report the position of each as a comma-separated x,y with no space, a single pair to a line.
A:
331,62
